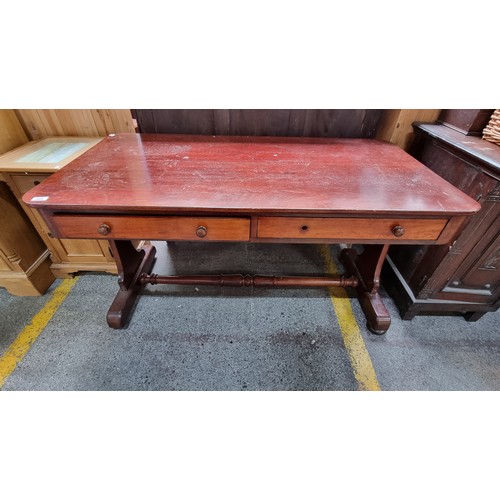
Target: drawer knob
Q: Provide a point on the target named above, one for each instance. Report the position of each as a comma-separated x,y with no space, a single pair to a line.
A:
398,231
103,229
201,231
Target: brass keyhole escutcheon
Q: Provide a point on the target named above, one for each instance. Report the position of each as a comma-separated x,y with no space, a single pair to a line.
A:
398,231
201,231
103,229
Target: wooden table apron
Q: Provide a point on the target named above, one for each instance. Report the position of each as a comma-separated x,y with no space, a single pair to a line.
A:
250,189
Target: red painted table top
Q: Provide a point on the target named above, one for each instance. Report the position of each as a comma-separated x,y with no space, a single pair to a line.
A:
173,173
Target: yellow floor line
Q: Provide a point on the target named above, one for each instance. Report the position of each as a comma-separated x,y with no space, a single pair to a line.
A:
361,362
21,345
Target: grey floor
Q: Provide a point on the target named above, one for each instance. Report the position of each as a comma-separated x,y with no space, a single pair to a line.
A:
208,338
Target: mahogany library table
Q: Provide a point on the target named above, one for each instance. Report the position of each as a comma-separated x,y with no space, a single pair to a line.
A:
250,189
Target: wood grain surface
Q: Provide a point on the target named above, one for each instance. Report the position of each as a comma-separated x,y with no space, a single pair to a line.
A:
396,125
354,123
265,175
153,228
40,123
11,133
349,228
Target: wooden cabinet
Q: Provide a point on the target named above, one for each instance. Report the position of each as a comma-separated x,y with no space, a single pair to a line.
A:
28,166
463,277
24,258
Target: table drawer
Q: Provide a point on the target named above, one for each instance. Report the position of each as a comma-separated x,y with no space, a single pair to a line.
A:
152,227
349,228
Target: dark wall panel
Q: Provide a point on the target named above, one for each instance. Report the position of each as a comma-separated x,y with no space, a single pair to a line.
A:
355,123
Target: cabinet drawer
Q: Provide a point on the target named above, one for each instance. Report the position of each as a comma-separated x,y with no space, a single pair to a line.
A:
152,227
349,228
26,182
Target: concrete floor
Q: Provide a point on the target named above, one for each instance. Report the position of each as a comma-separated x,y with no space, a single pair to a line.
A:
209,338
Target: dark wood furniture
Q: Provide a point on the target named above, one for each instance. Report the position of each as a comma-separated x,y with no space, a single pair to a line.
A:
463,277
250,189
467,121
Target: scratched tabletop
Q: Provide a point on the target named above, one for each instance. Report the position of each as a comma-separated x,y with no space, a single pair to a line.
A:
161,173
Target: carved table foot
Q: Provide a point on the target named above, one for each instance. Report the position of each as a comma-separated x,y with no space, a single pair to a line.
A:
366,267
131,264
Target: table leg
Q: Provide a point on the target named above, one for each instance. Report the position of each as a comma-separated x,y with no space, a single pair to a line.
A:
367,267
131,263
